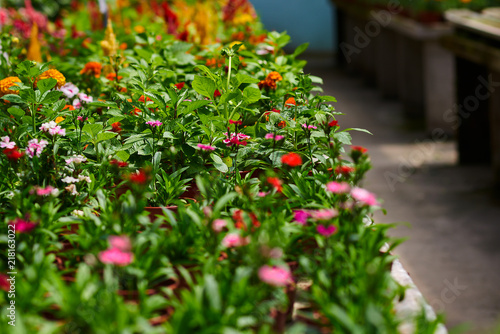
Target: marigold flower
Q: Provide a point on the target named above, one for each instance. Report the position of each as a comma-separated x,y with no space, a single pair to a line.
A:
113,77
54,74
275,76
267,83
290,102
69,107
59,119
291,159
6,83
92,68
276,183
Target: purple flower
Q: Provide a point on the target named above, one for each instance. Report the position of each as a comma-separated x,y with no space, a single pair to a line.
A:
154,123
300,216
206,147
364,196
36,147
69,90
6,143
338,188
326,230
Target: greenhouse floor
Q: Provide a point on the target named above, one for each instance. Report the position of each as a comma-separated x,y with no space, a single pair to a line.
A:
449,214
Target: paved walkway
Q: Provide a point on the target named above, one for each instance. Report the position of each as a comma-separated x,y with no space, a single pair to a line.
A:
449,213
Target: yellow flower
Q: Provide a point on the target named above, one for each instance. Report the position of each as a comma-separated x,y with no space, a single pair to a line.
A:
109,45
59,119
6,83
54,74
34,52
243,19
139,29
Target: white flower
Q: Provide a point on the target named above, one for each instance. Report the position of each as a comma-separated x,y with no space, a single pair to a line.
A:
85,98
69,90
84,178
6,143
70,179
76,159
77,213
77,104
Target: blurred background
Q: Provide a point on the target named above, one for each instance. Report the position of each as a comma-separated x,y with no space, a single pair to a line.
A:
423,77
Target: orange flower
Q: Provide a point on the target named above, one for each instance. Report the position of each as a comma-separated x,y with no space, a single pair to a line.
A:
69,107
290,101
266,83
275,76
93,68
116,127
54,74
6,83
112,77
59,119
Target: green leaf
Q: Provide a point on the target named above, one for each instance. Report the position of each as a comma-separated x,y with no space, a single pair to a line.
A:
251,95
194,105
51,97
46,84
122,155
327,98
13,98
28,95
16,112
213,293
300,49
92,129
157,99
358,129
218,163
102,104
105,136
204,86
343,137
243,78
221,203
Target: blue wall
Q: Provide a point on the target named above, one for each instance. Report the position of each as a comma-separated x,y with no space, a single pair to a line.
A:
304,20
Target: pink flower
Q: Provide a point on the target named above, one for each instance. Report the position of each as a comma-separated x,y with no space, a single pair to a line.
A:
81,119
49,190
6,143
85,98
36,147
326,231
234,240
218,225
121,243
22,226
69,90
338,188
300,216
364,196
263,193
272,136
77,104
275,276
53,129
154,123
324,214
305,126
206,147
115,256
76,159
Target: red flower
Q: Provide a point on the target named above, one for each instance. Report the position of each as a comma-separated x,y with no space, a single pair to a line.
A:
291,159
360,149
276,183
344,170
116,127
180,85
13,154
118,163
240,223
235,122
216,93
139,178
333,123
4,284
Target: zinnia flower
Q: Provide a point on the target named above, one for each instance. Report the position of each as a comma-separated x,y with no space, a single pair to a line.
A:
291,159
54,74
275,276
364,196
326,231
92,68
6,83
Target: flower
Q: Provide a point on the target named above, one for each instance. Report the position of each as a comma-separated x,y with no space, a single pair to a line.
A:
53,129
117,163
139,178
275,276
301,216
338,188
54,74
234,240
22,226
291,159
275,76
72,189
85,98
179,85
36,147
324,214
267,83
4,282
115,256
359,149
309,127
344,170
121,243
92,68
326,231
116,127
333,123
5,85
276,183
69,90
217,93
76,104
6,143
364,196
272,136
113,77
70,179
81,119
49,190
109,45
235,139
154,123
13,154
290,102
219,224
76,159
206,147
59,119
235,122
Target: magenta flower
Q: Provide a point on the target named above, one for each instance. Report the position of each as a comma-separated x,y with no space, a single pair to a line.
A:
154,123
326,231
272,136
49,190
338,188
121,243
115,256
36,147
22,226
275,276
206,147
235,139
300,216
324,214
218,225
309,127
364,196
6,143
234,240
